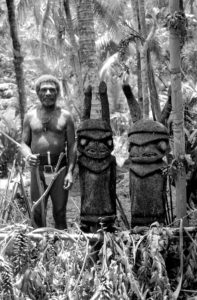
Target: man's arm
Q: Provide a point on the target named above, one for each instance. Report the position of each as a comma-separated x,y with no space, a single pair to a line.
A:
71,152
26,138
25,149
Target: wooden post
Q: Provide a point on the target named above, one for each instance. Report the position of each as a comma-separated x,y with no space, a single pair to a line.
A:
177,113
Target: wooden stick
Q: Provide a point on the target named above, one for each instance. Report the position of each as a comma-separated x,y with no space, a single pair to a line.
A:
43,193
39,233
10,138
47,190
42,203
72,237
124,217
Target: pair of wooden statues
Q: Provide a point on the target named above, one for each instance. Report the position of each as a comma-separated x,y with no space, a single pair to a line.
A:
148,143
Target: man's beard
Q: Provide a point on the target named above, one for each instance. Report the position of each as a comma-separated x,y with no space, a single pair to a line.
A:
48,102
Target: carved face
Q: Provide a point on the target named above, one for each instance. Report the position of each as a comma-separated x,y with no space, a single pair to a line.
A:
95,148
148,142
149,152
95,142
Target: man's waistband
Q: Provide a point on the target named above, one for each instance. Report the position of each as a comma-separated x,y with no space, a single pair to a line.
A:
52,160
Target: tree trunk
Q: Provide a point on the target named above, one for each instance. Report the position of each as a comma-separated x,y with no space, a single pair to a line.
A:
75,53
191,3
143,53
144,58
178,115
87,52
139,80
134,4
18,58
42,27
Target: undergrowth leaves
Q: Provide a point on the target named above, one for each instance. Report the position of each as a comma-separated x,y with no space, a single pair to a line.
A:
58,265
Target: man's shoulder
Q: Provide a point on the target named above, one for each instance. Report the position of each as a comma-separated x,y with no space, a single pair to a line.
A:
65,112
31,111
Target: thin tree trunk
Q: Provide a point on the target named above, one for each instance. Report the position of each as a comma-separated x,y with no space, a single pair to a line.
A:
87,51
44,19
178,115
18,58
156,109
134,4
143,53
75,53
139,80
191,3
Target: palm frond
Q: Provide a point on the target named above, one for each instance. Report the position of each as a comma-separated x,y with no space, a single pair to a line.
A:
110,14
37,12
23,7
104,40
104,71
107,15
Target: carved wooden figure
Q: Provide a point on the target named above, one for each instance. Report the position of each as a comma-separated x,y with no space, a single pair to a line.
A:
97,167
148,144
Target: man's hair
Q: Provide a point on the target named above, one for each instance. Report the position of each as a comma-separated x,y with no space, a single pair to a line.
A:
47,78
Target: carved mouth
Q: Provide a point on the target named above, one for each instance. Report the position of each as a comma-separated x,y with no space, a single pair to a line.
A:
92,151
149,154
97,153
144,155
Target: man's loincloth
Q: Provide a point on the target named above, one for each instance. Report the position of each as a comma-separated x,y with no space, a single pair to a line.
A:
46,167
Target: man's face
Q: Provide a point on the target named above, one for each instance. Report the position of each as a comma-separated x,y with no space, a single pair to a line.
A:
48,94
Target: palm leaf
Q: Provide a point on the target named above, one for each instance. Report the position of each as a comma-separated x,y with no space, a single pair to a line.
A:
22,7
107,13
107,65
104,40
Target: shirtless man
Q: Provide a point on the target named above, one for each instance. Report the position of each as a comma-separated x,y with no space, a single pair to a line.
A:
47,131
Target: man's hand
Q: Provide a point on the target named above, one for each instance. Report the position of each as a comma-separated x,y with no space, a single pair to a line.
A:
68,181
33,160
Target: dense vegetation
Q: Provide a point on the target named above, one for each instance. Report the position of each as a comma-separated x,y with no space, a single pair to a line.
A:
155,263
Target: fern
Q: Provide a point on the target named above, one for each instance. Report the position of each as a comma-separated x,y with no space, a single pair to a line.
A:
6,280
21,252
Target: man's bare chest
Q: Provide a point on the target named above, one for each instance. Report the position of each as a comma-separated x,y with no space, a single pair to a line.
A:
53,122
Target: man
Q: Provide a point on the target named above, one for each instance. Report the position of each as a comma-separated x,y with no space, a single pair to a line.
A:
47,131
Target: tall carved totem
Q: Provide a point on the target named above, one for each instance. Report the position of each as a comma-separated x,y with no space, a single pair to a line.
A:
148,144
97,167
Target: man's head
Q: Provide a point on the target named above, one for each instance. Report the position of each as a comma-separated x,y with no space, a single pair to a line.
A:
47,89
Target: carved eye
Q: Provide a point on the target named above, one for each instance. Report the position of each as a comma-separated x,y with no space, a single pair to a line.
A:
109,142
83,142
162,145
